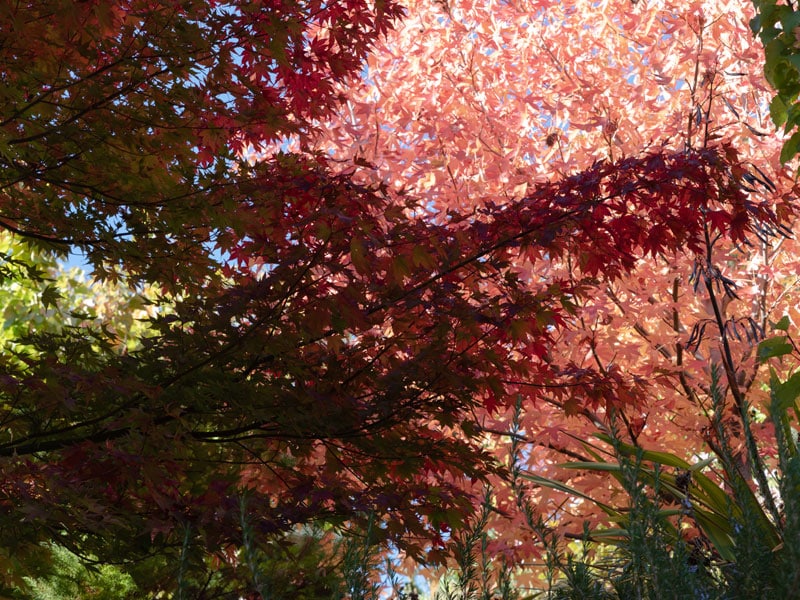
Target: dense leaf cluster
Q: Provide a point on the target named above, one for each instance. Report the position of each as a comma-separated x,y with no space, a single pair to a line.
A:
315,344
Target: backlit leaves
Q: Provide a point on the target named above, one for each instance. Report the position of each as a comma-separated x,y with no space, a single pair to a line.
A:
353,272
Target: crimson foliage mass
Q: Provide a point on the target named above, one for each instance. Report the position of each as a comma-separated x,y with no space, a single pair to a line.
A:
327,343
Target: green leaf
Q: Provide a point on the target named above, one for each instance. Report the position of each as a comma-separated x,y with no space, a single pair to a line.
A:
662,458
793,112
592,466
698,466
785,393
783,324
794,60
773,347
789,19
561,487
778,110
712,507
713,496
50,296
755,24
791,148
774,59
718,532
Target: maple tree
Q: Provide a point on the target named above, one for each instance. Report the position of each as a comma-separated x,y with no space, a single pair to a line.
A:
336,327
507,95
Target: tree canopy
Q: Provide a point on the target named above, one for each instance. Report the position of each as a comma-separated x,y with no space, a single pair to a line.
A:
343,253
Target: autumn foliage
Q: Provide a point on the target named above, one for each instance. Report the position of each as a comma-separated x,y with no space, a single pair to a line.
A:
358,279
